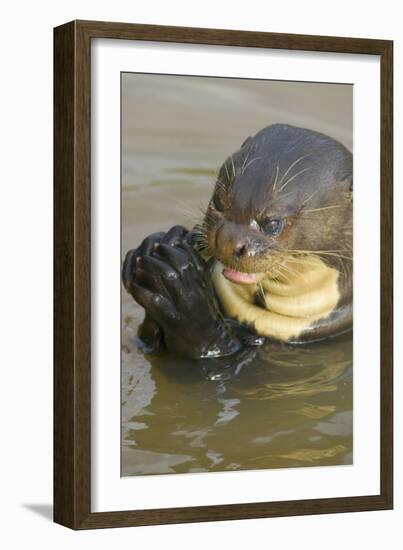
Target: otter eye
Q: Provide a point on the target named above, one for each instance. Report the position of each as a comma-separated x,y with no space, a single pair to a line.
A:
217,202
273,226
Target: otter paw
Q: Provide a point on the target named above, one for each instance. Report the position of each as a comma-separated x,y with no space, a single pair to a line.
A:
153,272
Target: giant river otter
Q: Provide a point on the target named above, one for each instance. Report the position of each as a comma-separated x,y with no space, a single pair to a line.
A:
271,261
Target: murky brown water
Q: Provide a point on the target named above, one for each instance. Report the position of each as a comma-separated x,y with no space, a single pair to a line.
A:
271,408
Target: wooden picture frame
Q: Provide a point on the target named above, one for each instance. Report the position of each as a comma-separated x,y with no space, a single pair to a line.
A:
72,270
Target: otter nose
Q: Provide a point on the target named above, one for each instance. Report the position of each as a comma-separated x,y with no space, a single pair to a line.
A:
241,250
233,242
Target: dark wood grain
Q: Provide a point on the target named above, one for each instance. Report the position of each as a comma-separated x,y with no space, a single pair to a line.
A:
387,273
64,367
72,268
220,37
72,296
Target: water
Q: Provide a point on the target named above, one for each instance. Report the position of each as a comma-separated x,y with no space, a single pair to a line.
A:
270,408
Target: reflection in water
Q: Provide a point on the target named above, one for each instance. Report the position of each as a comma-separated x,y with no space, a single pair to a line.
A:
268,409
265,408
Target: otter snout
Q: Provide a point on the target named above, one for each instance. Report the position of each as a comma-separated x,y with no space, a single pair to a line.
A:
237,243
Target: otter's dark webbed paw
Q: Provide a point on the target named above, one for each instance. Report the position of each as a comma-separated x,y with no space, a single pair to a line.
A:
167,277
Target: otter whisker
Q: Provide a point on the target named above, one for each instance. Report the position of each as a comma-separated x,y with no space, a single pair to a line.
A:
250,162
305,260
292,166
275,181
274,273
246,159
344,267
261,292
191,213
217,181
288,268
283,195
293,177
283,272
220,185
333,253
283,266
310,197
302,257
226,169
325,208
233,166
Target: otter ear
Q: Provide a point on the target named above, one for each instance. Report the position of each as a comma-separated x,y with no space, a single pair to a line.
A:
344,187
349,182
348,187
247,140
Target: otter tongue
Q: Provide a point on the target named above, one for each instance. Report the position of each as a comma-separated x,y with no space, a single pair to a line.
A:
240,277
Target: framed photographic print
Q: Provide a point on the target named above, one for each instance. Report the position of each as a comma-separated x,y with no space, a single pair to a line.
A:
223,220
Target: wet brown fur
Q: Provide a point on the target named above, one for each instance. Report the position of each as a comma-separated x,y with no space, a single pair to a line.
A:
305,179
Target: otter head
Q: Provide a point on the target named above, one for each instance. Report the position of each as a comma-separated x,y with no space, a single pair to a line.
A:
285,195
